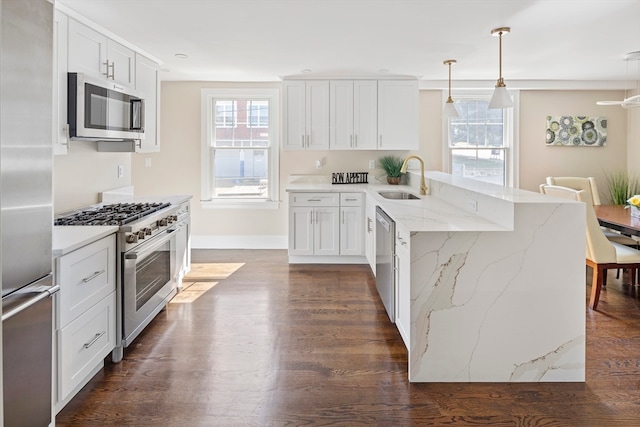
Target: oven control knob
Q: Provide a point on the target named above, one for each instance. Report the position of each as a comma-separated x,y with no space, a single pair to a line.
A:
141,234
162,222
147,231
132,238
170,219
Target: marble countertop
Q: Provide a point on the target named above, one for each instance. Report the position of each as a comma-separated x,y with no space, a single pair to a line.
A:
68,238
427,213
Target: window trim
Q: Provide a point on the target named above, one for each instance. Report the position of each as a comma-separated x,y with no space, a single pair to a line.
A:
207,96
511,129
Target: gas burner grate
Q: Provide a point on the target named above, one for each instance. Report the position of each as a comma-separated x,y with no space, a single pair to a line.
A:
113,214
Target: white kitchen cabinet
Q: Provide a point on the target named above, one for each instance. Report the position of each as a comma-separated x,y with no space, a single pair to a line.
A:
60,127
403,283
85,314
370,232
397,114
351,224
94,54
314,227
148,87
306,114
353,114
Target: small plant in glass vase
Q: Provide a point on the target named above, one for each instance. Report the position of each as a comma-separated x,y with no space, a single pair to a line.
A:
391,166
633,203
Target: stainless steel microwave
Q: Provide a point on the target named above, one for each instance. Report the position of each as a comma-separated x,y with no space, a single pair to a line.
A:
100,110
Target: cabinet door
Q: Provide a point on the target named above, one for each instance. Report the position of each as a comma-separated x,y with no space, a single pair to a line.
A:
87,50
351,230
326,231
293,120
317,114
341,115
148,87
398,115
60,129
301,230
365,114
121,63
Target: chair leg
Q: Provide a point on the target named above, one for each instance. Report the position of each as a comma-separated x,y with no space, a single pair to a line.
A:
596,286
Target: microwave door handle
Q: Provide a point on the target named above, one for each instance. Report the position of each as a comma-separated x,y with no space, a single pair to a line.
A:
137,114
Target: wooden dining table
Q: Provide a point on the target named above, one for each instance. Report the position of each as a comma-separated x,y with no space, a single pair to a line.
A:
616,217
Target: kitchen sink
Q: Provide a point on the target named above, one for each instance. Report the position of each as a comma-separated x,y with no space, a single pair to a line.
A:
398,195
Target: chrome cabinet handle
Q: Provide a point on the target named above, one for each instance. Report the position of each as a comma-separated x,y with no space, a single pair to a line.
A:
314,200
113,70
369,221
65,129
93,276
380,140
95,338
302,141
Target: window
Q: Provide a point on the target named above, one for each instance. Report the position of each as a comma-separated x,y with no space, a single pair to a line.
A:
480,142
239,148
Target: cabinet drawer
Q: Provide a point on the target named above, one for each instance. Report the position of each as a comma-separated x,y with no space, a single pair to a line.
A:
314,199
351,199
85,276
84,343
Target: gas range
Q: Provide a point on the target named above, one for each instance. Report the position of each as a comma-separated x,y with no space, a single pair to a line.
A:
138,221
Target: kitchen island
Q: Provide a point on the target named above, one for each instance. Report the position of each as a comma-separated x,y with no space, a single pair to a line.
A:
495,287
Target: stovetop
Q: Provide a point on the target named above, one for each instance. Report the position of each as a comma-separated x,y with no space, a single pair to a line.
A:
113,214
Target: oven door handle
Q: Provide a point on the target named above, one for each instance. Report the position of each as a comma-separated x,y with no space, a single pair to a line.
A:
155,245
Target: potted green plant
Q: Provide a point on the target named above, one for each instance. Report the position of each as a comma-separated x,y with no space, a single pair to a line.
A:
622,186
392,166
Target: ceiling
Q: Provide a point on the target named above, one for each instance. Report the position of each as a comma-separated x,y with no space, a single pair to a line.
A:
266,40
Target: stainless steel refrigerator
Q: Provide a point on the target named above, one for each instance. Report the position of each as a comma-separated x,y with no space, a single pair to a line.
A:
26,210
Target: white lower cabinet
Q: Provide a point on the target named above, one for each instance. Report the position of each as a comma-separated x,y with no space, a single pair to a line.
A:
403,283
85,315
326,224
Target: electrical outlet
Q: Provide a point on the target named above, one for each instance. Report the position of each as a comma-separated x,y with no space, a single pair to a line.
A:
120,171
472,205
372,164
147,162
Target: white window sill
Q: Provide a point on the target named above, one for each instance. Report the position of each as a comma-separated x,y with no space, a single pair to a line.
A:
239,204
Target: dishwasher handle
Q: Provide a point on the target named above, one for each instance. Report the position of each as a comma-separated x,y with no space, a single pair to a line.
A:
40,289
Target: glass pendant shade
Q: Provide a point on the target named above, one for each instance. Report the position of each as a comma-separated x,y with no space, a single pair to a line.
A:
449,111
500,98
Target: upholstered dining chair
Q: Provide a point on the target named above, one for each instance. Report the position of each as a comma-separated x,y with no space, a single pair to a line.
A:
589,185
601,253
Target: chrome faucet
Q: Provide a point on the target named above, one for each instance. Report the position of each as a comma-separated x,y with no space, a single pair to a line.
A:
423,186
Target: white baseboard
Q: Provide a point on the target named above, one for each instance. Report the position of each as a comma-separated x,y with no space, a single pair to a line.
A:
239,242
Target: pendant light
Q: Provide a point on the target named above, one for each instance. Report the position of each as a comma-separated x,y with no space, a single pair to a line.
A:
632,101
449,110
500,98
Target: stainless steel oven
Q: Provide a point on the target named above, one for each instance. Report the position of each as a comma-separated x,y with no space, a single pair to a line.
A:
148,282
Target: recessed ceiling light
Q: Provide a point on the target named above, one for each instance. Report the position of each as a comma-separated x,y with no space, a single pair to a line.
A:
181,55
305,71
383,70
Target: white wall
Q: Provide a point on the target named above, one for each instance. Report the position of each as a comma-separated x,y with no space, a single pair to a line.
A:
537,160
80,175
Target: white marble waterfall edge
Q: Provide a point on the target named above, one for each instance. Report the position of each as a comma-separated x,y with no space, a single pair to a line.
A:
501,306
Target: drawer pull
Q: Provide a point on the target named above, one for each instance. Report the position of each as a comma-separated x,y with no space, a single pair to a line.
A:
314,200
95,338
350,200
93,276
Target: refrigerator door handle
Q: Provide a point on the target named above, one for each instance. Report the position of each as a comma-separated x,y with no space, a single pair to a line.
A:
39,294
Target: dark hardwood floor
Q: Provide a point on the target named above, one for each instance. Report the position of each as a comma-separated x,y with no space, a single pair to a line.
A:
254,341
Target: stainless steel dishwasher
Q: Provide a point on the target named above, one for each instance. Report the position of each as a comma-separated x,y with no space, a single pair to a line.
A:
385,259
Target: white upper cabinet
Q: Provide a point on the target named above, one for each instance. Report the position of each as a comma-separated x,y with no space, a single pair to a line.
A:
93,53
350,114
397,114
353,114
306,115
147,85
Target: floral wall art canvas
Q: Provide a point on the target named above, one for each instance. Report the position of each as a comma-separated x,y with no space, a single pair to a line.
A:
577,131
